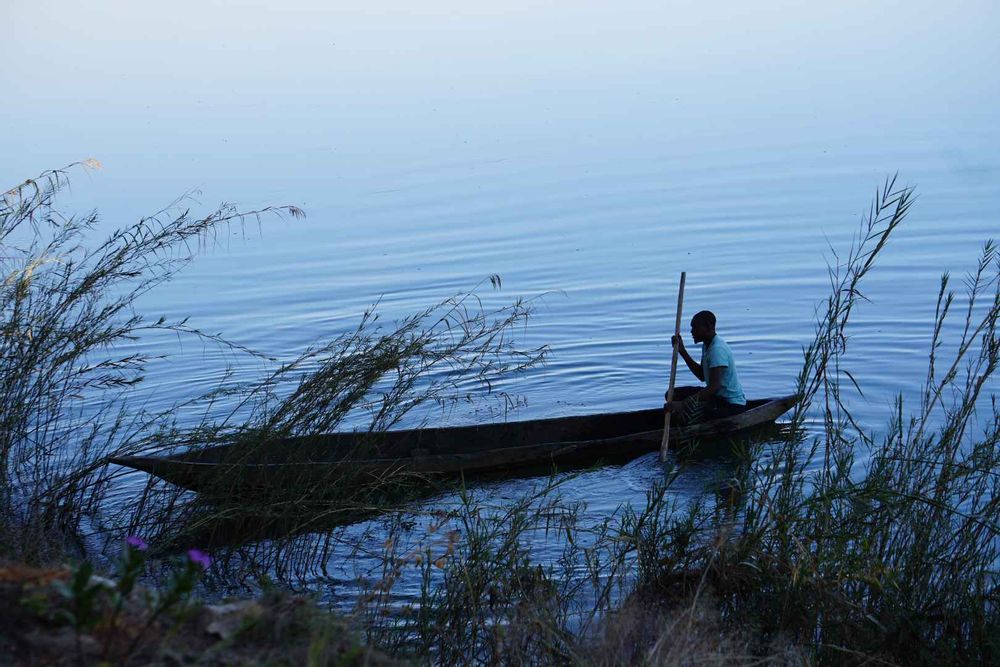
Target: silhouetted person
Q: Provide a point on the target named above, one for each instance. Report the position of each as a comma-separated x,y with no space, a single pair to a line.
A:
723,396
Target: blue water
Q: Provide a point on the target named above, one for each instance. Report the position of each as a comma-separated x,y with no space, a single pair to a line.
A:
585,152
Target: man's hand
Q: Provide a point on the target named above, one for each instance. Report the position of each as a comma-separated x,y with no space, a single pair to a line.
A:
694,366
672,406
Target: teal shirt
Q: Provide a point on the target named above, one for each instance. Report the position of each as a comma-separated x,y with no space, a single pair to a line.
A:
716,354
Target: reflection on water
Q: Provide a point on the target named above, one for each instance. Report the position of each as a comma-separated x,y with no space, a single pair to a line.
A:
344,553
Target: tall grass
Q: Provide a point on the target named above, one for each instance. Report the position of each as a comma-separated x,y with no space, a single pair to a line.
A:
895,559
69,308
837,546
485,599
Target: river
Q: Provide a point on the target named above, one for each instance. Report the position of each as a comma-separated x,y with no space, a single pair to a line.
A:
585,152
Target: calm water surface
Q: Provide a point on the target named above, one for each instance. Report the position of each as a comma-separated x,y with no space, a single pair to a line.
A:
586,152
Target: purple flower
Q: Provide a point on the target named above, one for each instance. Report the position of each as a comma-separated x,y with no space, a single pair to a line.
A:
199,558
136,542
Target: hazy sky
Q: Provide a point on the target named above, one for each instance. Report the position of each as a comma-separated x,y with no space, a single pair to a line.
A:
188,92
110,59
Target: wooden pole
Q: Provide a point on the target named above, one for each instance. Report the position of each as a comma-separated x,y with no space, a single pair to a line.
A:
673,370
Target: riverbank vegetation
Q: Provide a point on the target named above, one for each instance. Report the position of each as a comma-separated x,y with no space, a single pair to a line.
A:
68,363
838,544
70,616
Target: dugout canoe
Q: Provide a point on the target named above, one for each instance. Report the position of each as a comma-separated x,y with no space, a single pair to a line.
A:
338,461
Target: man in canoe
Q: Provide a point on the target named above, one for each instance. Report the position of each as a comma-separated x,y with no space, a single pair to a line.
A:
723,396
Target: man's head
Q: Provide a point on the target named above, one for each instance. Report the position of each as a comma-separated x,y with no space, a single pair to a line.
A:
703,326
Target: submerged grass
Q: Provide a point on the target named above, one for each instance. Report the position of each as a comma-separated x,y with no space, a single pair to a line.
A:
835,547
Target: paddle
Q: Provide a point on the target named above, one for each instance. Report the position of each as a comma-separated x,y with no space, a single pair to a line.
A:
673,370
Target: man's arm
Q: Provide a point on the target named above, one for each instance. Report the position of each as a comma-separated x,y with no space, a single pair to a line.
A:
692,366
714,383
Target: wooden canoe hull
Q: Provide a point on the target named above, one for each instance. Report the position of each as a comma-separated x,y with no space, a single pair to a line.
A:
313,465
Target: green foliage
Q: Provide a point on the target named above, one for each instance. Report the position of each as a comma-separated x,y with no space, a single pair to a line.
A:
89,603
81,596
